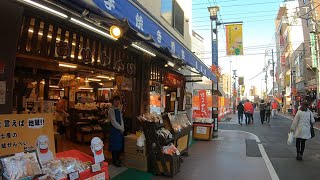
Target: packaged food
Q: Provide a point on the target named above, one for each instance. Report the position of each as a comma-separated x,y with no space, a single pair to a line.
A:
21,166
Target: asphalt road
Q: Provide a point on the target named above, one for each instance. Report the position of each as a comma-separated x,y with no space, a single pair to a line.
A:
282,156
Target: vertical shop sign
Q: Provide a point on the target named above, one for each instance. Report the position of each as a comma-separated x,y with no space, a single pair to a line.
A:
203,104
3,89
313,46
214,53
25,132
215,101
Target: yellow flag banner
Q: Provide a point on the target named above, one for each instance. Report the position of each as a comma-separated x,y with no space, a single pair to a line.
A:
234,39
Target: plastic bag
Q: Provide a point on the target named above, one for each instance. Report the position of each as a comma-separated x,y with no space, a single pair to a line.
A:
141,140
290,138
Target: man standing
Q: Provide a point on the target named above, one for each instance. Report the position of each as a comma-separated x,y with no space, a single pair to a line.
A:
262,107
240,112
247,110
274,107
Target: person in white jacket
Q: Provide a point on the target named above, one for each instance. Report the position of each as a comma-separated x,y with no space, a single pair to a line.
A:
301,128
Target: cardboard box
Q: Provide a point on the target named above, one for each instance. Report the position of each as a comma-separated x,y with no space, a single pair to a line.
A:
130,146
136,162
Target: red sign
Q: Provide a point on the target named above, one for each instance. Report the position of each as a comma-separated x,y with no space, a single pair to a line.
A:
172,80
204,113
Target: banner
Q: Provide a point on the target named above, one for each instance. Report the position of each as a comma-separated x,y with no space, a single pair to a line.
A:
214,52
25,132
313,47
202,104
234,39
241,81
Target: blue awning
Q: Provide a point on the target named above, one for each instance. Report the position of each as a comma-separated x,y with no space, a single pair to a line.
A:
142,22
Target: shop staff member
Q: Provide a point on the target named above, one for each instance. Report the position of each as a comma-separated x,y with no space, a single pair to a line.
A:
61,114
116,133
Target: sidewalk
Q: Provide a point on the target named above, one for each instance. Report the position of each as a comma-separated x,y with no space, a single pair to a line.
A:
233,154
290,116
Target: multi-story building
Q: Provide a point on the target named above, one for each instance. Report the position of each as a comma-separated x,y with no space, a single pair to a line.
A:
289,43
197,46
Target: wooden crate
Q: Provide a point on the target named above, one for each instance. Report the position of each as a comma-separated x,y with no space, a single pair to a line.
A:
130,146
172,163
202,131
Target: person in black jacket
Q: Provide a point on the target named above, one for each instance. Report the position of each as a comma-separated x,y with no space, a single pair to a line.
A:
240,112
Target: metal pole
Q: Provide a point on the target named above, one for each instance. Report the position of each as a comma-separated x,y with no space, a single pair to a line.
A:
217,115
266,84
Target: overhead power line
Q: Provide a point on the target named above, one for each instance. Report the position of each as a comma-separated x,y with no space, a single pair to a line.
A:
236,5
232,14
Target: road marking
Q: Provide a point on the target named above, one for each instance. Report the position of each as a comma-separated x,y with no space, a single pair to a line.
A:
272,171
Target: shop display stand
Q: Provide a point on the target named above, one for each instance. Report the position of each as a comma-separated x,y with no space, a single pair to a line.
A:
78,122
159,163
179,136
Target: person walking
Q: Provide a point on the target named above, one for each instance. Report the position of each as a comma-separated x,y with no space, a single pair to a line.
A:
274,108
262,107
247,109
251,114
301,128
116,132
240,112
268,112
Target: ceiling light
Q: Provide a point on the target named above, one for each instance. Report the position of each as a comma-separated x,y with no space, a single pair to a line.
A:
103,77
68,65
179,69
166,65
115,32
170,63
45,8
83,24
166,87
92,79
101,84
54,86
86,88
104,88
43,82
143,50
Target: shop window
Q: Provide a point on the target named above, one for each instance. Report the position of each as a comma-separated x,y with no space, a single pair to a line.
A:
173,14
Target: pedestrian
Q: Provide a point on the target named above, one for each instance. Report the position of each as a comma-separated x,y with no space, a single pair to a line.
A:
240,112
301,128
274,107
268,112
247,109
116,132
251,113
262,107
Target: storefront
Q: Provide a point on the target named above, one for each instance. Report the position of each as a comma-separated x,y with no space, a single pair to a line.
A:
61,53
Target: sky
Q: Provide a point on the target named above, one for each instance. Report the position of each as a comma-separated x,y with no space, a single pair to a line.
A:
258,35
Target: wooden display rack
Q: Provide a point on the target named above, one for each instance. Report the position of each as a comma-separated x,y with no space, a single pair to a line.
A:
181,139
159,163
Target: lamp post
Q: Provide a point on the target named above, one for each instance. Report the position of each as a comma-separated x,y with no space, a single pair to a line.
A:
214,42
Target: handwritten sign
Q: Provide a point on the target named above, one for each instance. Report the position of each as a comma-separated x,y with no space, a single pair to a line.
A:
21,132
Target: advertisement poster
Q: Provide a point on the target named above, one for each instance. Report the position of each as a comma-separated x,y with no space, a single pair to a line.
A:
200,105
234,39
25,132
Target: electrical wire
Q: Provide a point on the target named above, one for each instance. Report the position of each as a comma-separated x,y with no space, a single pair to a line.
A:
249,4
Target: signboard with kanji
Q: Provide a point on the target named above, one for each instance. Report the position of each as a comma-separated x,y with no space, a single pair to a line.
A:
201,104
26,132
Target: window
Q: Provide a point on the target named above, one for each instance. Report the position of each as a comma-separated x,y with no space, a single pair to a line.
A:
173,14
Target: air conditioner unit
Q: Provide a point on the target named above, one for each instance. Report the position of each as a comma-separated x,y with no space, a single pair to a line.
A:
312,27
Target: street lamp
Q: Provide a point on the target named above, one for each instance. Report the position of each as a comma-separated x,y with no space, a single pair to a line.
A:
214,17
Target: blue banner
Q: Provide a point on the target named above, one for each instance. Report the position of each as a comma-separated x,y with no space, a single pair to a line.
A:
140,21
214,52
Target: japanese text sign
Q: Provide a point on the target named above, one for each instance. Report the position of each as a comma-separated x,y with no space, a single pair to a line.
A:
25,132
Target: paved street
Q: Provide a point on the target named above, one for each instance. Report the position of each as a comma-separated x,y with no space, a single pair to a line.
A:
273,136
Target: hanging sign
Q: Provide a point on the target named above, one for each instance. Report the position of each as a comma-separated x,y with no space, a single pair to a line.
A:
203,111
172,80
313,47
234,39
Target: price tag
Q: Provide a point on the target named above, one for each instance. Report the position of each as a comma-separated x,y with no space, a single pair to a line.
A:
95,167
74,175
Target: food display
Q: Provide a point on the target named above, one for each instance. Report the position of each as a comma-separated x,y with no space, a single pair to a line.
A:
170,149
203,120
164,133
151,117
86,106
179,122
60,168
21,166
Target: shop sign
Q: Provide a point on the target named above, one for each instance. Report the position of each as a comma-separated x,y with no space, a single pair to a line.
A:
215,101
313,46
172,80
281,41
63,49
283,59
86,55
201,130
203,104
25,132
104,59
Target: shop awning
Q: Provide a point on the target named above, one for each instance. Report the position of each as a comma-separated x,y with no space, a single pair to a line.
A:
142,22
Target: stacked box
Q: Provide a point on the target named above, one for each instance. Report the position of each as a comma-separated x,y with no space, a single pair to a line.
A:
135,156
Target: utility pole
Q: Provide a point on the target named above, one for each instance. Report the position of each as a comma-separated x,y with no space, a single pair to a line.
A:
266,78
234,82
272,73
